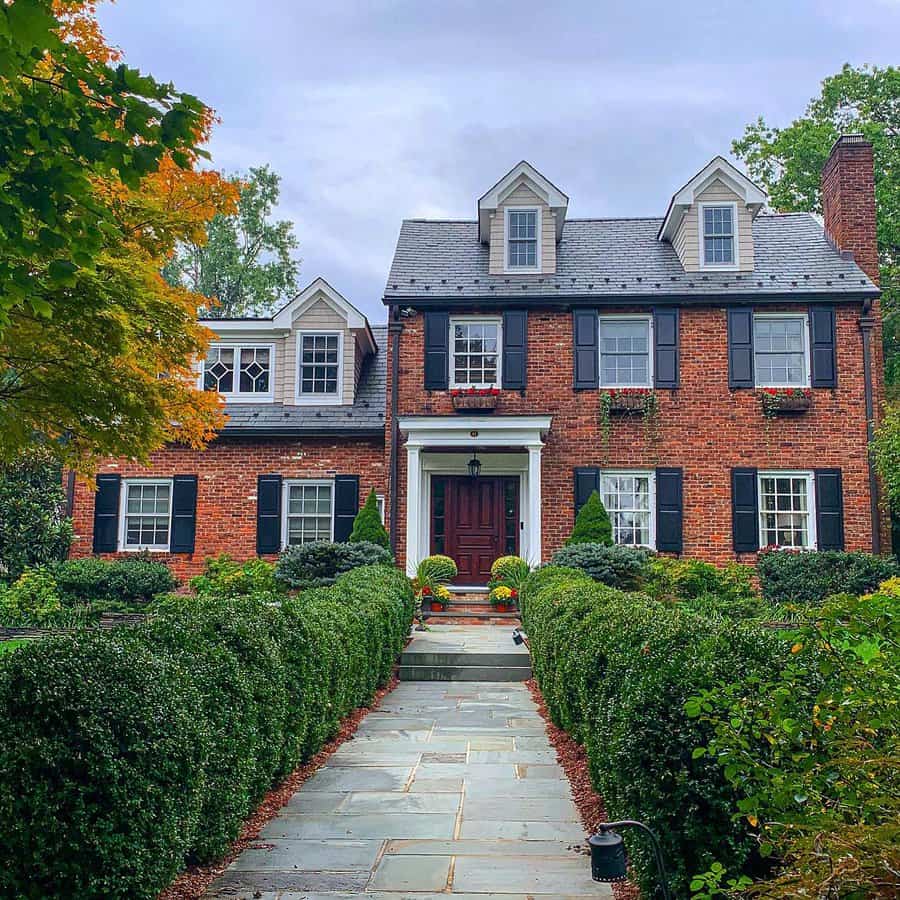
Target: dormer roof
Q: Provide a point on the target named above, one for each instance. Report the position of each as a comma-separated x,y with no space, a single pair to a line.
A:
523,173
718,168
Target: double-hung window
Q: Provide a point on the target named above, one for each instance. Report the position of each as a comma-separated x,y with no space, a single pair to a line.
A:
239,371
146,514
309,508
718,224
781,350
475,351
625,351
320,366
629,499
523,228
786,510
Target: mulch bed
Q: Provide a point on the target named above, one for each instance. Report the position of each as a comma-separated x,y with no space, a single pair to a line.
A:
573,758
193,882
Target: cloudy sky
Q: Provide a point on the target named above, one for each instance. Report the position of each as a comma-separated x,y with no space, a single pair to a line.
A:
377,110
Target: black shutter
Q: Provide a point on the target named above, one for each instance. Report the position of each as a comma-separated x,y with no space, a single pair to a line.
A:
587,351
740,348
669,510
665,347
437,350
744,510
587,480
346,505
184,513
106,513
515,348
829,509
268,514
822,346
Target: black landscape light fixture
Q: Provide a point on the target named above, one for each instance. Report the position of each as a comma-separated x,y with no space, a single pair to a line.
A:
474,466
608,861
518,637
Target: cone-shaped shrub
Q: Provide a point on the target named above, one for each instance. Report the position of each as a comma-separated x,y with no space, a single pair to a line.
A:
367,524
592,523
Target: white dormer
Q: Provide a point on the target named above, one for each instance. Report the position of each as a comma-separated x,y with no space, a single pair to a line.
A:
709,221
521,217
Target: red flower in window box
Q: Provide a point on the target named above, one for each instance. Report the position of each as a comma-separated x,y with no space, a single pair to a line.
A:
780,401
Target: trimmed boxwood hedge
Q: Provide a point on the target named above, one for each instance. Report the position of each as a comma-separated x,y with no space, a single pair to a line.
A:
126,753
615,670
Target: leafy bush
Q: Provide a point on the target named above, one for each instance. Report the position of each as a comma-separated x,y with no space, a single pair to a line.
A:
615,670
367,525
126,752
32,600
133,580
510,571
592,525
620,567
224,577
806,578
318,563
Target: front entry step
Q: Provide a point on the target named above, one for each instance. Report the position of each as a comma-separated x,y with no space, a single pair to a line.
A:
452,666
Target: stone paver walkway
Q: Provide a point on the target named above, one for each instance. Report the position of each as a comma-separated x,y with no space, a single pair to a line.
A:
448,789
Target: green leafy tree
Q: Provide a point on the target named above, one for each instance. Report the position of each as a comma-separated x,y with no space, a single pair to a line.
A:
245,261
33,527
592,523
788,161
367,524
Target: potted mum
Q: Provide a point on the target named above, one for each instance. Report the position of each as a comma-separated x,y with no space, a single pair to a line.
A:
437,597
430,584
507,575
503,598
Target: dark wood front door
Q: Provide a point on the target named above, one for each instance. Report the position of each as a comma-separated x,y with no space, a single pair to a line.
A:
473,521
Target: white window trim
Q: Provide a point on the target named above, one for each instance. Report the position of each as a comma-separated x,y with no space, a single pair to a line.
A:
807,364
701,244
513,270
318,399
475,320
285,494
810,503
624,317
642,473
237,396
123,508
379,499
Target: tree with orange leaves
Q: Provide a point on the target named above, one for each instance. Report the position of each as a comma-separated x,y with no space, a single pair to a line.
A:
96,349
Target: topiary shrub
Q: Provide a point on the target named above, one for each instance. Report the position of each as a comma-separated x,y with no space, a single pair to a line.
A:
806,578
367,525
223,577
132,580
592,525
620,567
318,563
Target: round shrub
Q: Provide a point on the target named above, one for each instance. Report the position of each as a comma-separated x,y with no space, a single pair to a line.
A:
123,581
318,563
32,600
621,567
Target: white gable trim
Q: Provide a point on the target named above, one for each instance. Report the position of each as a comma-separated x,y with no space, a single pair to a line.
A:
317,289
523,173
719,168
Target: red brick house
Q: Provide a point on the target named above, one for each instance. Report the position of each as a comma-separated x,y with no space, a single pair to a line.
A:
713,373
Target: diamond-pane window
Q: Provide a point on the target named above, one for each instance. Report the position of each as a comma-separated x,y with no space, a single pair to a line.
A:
218,370
254,370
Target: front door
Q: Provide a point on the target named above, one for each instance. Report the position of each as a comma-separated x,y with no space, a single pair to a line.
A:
473,521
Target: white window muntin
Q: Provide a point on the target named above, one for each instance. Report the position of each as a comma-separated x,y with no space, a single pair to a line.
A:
801,355
701,236
646,321
379,501
147,520
304,514
630,509
304,398
236,352
779,519
466,321
507,266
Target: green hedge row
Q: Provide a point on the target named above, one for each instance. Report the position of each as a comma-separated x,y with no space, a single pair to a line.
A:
125,754
615,670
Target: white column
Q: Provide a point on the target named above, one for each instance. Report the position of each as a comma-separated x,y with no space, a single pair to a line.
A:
413,508
534,504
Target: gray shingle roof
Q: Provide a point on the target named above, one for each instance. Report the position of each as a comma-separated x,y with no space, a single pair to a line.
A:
364,417
616,258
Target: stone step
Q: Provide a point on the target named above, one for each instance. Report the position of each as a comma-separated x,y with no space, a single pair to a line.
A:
462,613
513,659
464,673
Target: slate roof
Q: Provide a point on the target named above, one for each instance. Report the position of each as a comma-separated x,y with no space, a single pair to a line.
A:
363,418
619,258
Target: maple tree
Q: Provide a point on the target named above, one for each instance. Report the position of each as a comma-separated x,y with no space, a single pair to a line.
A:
96,351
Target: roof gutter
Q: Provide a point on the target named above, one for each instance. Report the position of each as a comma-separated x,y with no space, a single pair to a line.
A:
866,328
286,431
395,329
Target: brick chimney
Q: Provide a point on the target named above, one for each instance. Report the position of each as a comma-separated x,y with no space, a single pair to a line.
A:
848,201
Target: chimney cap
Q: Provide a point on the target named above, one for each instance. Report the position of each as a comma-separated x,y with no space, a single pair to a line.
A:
855,138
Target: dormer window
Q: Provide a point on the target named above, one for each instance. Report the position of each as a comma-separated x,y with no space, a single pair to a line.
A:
240,372
320,366
719,224
522,236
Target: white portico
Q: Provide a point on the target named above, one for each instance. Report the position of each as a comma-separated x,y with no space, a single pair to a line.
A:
508,448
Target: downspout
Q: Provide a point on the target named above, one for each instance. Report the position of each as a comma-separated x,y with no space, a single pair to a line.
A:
395,329
866,327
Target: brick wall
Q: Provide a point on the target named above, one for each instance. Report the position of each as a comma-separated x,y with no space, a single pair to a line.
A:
226,492
702,427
